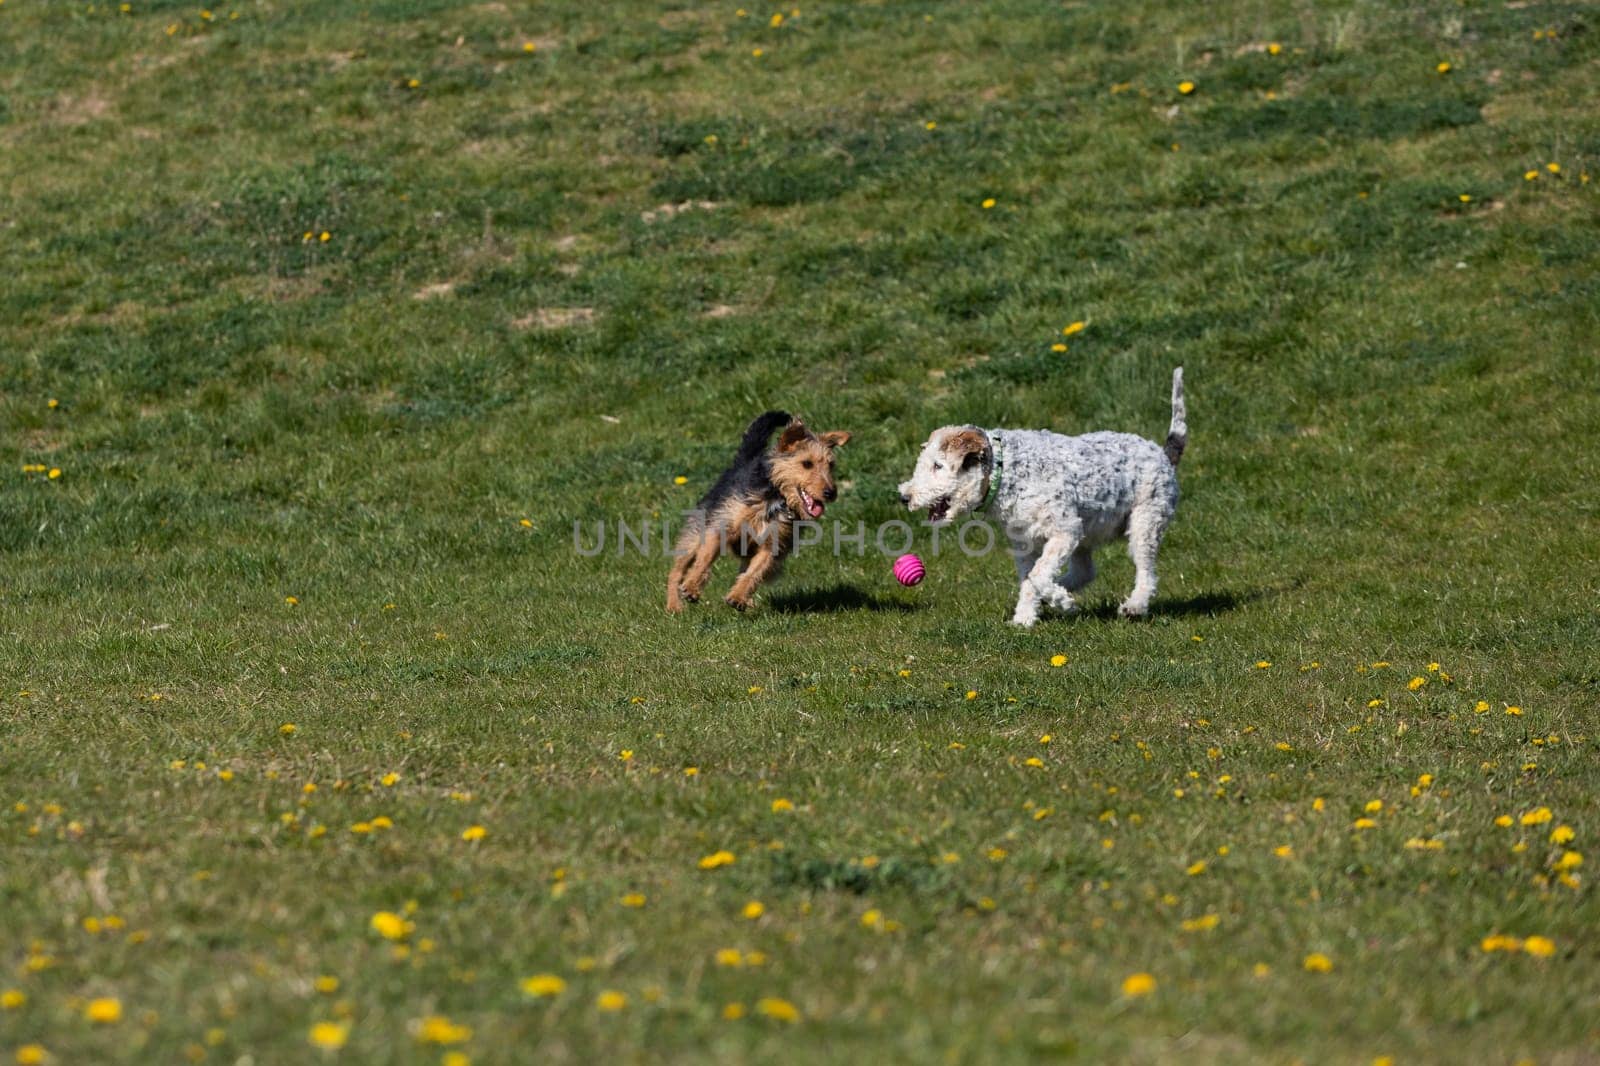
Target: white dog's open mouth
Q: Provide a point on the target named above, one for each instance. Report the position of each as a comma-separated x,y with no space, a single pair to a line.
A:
940,509
812,506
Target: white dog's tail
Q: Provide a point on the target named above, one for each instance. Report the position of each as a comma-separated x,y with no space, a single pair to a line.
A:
1178,432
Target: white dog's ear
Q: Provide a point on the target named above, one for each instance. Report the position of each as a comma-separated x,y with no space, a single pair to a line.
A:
835,438
793,434
966,447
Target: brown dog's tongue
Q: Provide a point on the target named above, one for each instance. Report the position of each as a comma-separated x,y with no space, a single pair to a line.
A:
816,509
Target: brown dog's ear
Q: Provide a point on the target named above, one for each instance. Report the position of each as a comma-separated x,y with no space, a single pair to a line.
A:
965,443
835,438
793,434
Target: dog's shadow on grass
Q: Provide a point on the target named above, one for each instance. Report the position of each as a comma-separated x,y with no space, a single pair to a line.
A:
837,599
1205,604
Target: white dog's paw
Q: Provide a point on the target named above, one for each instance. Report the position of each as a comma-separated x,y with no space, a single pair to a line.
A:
1026,615
1134,609
1054,595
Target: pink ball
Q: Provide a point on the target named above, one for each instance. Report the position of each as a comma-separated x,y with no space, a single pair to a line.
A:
908,570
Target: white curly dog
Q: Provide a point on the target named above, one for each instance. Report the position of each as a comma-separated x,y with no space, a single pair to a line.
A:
1059,498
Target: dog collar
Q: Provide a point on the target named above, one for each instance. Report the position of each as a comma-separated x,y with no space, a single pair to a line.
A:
996,461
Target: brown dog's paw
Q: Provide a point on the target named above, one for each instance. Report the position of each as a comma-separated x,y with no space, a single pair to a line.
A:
736,603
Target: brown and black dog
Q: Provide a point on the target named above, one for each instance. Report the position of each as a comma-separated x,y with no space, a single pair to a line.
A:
752,509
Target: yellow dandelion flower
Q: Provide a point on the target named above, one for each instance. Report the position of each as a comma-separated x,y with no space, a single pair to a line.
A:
1543,947
1569,860
1058,347
437,1029
543,986
777,1009
626,755
1058,660
1416,683
988,203
1443,68
1515,712
104,1010
1196,869
329,1036
732,1011
389,780
327,984
1204,923
1530,175
611,1001
1186,87
1317,962
1274,49
1554,168
633,899
1364,823
757,53
1374,806
288,729
998,854
753,910
32,1055
691,771
474,833
1073,327
1138,984
718,859
1283,851
12,998
390,925
972,693
930,125
1537,816
1562,834
780,806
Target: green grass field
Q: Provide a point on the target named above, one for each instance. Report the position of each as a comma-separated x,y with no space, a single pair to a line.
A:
322,323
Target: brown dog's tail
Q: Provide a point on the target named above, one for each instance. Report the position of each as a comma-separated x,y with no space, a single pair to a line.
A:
757,435
1178,432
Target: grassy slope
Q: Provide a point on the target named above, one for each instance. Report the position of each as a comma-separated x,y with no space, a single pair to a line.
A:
1392,459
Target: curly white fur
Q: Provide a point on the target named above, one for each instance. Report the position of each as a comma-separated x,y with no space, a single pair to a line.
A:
1059,498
